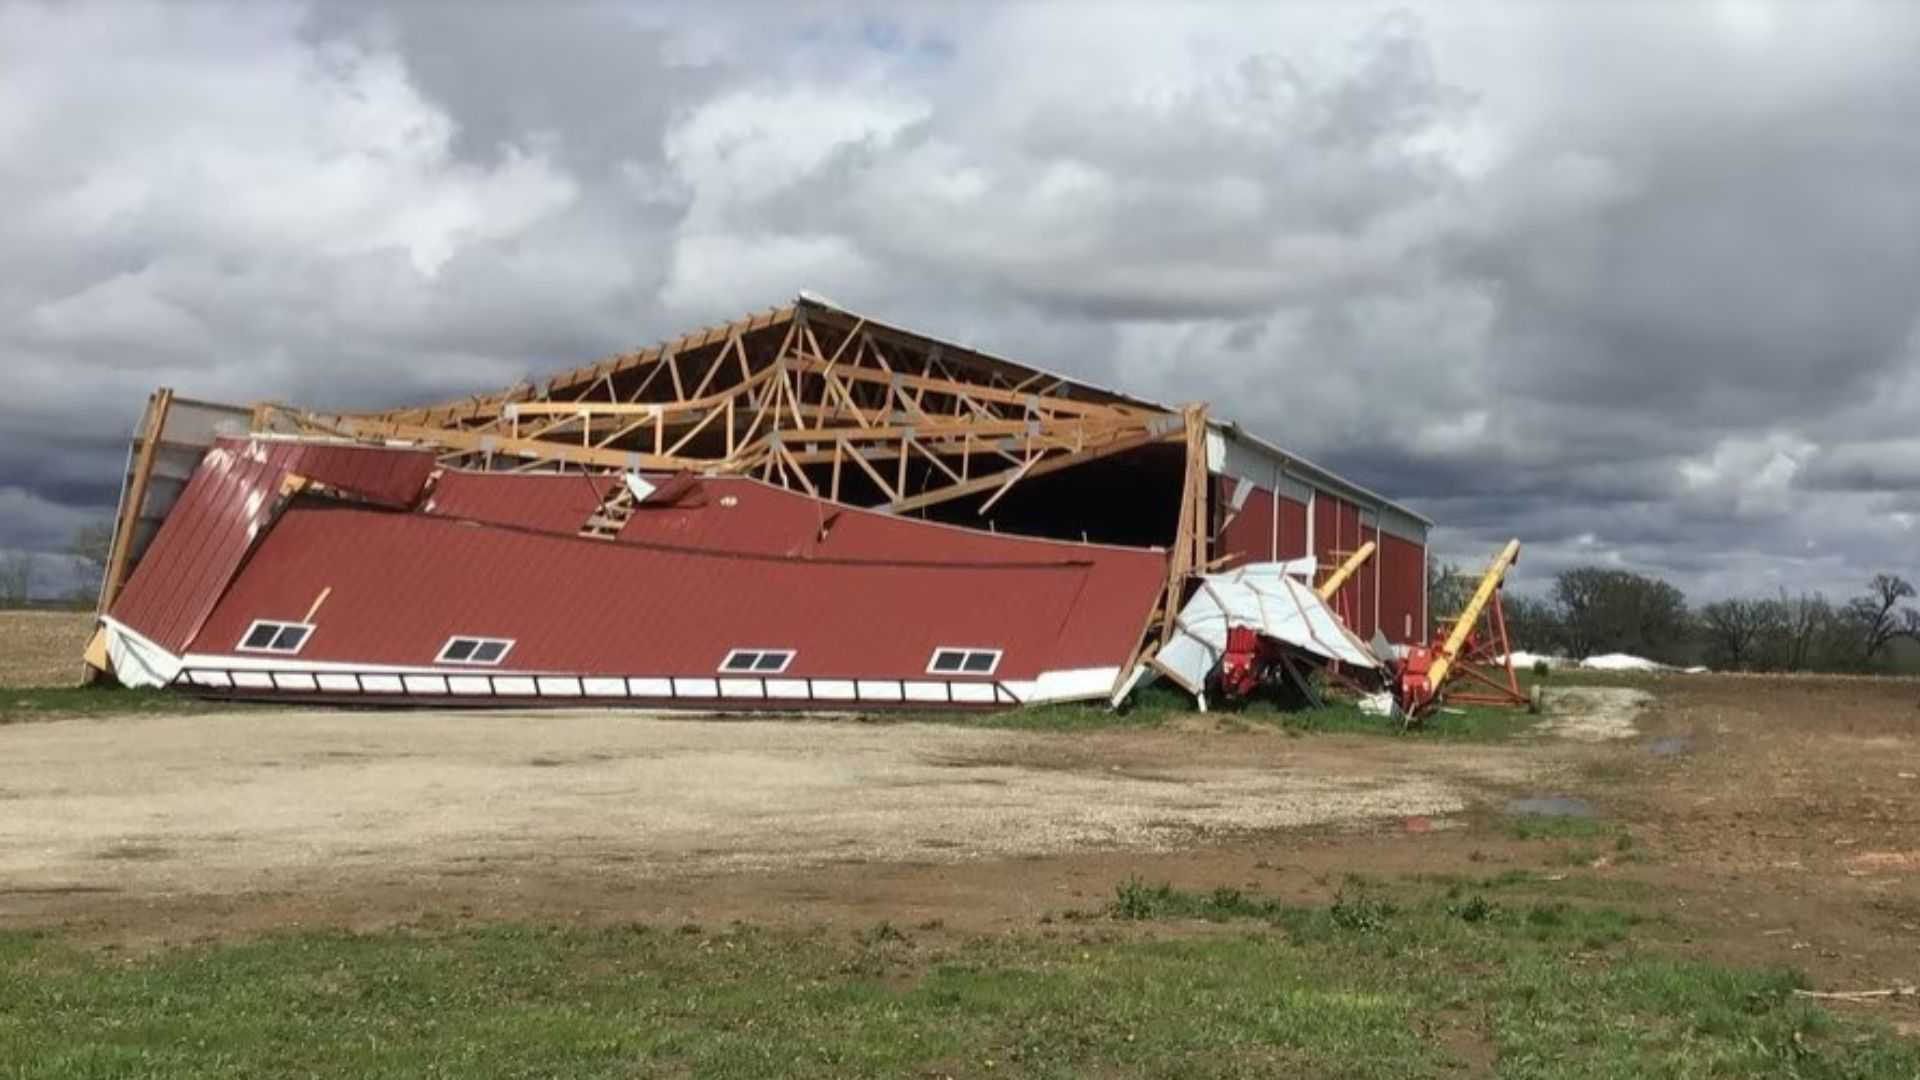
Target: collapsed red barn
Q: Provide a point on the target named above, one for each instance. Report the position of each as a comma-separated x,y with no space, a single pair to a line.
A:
802,507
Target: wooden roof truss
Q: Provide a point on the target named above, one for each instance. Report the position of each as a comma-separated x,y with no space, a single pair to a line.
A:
808,397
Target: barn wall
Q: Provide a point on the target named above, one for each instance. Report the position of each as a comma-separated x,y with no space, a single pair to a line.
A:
1337,532
1293,529
1251,532
1403,578
1248,531
1388,594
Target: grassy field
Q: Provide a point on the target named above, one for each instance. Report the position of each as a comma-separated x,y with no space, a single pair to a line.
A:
1159,982
59,702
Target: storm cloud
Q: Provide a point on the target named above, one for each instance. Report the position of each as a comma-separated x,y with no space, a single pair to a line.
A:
1636,283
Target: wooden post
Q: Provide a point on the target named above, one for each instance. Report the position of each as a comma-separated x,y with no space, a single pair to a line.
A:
153,425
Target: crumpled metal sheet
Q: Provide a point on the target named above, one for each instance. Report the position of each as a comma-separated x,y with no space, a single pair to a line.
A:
1273,598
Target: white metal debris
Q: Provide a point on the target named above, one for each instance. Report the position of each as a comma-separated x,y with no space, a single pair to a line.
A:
1274,599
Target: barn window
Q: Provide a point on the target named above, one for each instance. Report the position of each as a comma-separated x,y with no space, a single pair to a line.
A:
963,661
477,651
760,661
275,637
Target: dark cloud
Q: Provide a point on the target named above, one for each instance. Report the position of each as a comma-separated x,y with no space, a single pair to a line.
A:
1633,282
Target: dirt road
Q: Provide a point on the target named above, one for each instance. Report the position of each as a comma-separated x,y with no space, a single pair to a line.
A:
233,802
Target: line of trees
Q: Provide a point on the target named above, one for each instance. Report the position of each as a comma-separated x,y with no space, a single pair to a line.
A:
17,571
1593,610
22,572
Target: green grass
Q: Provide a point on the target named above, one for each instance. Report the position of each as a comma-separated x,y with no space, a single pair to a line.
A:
1365,987
55,702
1558,886
1555,827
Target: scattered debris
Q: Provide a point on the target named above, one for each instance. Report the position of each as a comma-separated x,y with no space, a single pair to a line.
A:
1622,662
1271,599
1859,995
1521,658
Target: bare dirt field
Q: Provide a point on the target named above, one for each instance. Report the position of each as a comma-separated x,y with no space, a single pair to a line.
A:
1774,821
237,802
42,648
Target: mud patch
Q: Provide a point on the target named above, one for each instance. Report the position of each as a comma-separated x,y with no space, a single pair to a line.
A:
1593,714
1550,806
1670,745
135,852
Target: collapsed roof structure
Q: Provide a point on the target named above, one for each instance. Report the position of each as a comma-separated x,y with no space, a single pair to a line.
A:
802,506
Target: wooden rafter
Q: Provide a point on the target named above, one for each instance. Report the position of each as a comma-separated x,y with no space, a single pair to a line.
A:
794,395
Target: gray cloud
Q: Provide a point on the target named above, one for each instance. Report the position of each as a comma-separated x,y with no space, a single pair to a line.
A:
1633,282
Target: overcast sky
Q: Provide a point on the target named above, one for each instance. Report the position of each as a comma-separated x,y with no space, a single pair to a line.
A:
1638,285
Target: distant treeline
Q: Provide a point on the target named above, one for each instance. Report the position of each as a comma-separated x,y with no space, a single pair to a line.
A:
23,581
1591,610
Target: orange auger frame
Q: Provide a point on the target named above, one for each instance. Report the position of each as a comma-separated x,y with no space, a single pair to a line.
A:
1472,646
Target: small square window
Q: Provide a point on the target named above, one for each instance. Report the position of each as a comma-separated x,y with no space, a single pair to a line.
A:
474,650
269,636
954,660
763,661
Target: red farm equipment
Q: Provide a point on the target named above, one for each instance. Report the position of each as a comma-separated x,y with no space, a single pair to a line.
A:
1469,661
1252,659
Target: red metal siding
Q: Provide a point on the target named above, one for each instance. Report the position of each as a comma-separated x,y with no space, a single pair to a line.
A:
225,505
1293,529
1366,582
382,475
398,585
558,504
1248,532
1403,580
1336,535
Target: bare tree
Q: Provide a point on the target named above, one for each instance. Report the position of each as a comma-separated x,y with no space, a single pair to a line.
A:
1744,633
1877,616
1732,633
1807,621
16,578
90,546
1448,588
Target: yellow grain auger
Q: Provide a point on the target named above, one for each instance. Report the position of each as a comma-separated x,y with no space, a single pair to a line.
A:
1470,659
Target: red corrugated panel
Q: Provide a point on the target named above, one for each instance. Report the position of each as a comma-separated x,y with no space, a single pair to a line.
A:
1293,530
1249,531
557,504
383,475
1336,535
1403,580
399,585
225,504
